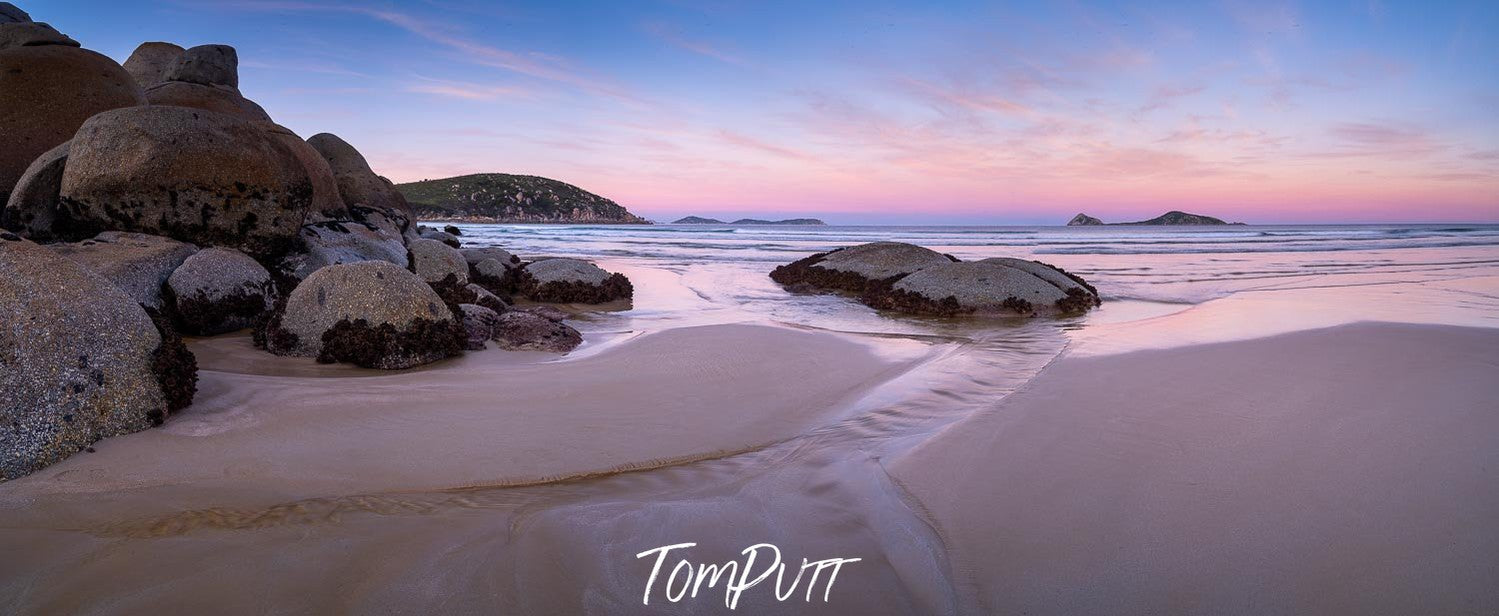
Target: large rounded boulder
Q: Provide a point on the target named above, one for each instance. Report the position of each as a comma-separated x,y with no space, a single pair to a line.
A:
219,290
79,360
149,62
437,262
194,175
136,263
32,207
998,286
569,281
855,269
46,94
372,314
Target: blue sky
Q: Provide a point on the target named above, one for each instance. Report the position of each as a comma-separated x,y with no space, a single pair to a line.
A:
886,112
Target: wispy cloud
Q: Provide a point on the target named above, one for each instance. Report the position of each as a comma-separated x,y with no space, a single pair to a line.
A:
673,36
467,91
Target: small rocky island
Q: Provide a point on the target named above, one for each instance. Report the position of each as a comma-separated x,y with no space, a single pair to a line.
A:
506,198
1173,217
698,220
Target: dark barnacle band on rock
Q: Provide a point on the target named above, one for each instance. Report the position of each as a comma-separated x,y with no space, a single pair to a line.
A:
1077,301
385,347
268,333
615,287
800,275
175,367
882,296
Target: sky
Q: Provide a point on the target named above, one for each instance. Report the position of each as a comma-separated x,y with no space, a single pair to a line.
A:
879,112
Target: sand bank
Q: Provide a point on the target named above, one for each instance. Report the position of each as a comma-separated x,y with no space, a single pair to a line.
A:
1346,470
269,430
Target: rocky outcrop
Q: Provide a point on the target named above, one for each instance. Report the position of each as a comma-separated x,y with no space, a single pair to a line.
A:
149,62
30,34
10,13
520,330
478,325
206,77
210,65
998,286
33,203
500,197
856,269
333,242
216,180
135,263
912,279
371,314
358,184
47,91
1084,220
435,261
219,290
81,362
567,281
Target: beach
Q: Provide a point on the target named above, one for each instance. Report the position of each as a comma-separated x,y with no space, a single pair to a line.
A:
1284,420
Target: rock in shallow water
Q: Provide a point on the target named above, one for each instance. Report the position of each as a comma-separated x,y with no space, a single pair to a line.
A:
991,286
82,361
566,281
478,323
136,263
520,330
857,268
372,314
220,290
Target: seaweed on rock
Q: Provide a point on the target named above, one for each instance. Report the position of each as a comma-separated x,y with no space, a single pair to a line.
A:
615,287
387,348
175,367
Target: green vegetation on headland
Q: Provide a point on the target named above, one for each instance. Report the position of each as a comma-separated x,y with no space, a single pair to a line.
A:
698,220
506,198
1173,217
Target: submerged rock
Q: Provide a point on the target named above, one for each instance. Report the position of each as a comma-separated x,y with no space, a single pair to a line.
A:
33,203
149,62
215,180
82,360
220,290
991,286
441,236
372,314
46,94
136,263
520,330
857,268
567,281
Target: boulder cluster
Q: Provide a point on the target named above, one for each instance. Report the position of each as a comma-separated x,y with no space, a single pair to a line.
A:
150,200
915,280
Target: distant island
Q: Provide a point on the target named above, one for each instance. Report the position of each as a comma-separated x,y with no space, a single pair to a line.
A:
1169,218
506,198
698,220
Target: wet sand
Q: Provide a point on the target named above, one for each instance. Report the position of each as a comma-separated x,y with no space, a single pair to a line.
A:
1349,470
